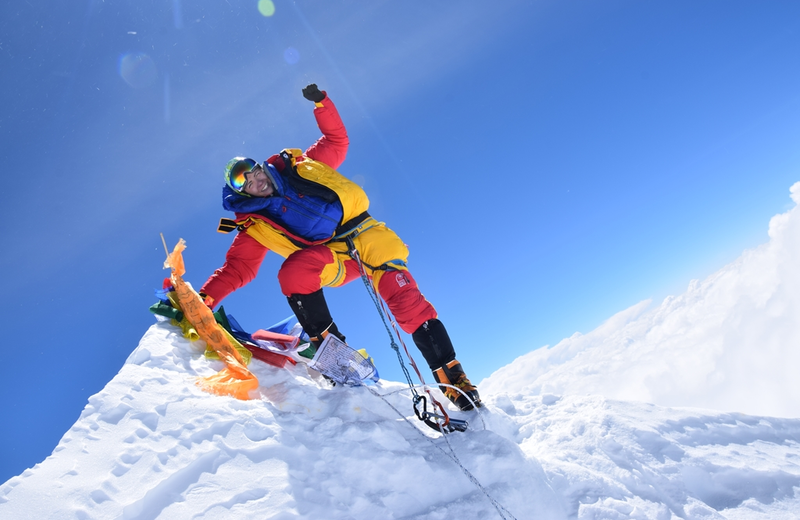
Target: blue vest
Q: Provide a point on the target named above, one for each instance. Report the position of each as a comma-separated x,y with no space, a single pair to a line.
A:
307,216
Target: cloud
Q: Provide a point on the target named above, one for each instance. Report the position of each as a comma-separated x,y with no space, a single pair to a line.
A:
730,342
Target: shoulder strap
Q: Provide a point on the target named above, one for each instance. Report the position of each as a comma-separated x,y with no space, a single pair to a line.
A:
304,186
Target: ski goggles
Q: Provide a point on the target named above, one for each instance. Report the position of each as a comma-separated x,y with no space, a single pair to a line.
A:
237,173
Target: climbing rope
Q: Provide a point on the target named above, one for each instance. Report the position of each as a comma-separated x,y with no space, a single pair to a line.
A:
425,387
443,423
440,422
502,511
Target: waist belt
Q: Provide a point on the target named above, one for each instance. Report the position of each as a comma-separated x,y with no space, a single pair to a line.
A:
352,228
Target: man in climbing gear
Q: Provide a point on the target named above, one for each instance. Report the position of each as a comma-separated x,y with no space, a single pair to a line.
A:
296,204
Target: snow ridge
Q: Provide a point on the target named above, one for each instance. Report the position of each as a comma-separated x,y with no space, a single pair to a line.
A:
727,343
151,445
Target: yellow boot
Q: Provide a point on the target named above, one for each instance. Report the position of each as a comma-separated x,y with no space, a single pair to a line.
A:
453,374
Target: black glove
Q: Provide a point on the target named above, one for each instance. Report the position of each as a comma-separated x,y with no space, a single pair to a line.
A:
312,93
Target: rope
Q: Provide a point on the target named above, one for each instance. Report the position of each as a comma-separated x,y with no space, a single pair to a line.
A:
424,415
502,511
425,387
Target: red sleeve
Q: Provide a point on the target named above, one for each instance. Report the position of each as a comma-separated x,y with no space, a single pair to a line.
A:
241,266
331,148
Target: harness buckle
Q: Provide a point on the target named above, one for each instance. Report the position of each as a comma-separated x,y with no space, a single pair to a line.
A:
226,225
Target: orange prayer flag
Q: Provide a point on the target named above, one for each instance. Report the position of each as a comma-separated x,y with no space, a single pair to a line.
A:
235,379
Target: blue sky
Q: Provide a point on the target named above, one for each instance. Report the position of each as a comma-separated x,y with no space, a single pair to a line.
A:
548,163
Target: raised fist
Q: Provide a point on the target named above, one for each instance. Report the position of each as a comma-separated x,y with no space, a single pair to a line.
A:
312,93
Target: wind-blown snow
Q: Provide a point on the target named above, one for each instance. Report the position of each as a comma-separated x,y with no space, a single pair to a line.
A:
564,433
731,342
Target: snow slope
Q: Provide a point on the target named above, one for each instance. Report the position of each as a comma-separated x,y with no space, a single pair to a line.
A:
151,445
613,459
730,342
566,431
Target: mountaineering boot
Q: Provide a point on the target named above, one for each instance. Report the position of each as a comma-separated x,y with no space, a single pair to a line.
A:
453,374
312,312
319,338
433,341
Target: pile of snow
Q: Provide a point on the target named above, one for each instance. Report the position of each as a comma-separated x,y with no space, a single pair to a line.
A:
731,342
564,433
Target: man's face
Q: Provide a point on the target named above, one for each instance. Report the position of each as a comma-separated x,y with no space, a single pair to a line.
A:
257,183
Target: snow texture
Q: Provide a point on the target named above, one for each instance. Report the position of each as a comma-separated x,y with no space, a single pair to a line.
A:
152,445
567,432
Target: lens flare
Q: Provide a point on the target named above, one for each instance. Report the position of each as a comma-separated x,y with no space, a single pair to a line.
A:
166,99
138,69
291,56
266,7
177,17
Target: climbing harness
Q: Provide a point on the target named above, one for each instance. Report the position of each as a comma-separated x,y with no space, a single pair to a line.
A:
438,421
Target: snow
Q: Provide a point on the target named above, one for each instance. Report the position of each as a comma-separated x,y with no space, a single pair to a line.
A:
152,445
687,410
